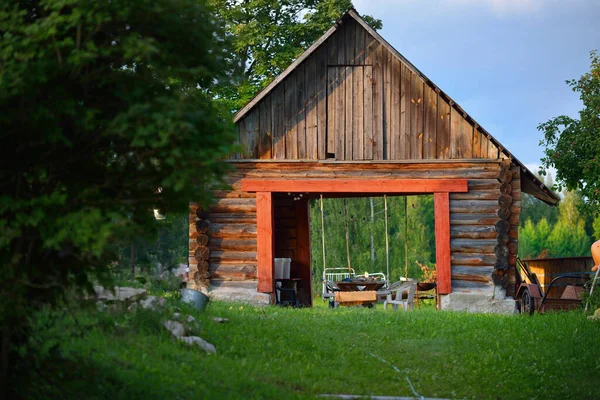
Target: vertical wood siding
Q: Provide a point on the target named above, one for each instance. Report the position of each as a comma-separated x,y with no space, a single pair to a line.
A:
352,99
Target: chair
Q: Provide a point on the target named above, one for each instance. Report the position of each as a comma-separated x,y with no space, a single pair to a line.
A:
330,276
398,288
286,292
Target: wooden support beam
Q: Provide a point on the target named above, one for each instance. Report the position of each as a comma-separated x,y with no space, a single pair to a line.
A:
441,206
264,239
303,249
355,185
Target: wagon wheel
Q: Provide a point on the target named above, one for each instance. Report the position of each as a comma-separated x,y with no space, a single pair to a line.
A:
527,303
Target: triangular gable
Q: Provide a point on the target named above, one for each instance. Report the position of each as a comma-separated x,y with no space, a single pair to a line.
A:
463,122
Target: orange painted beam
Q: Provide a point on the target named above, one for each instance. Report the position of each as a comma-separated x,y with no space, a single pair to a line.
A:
264,241
355,185
441,209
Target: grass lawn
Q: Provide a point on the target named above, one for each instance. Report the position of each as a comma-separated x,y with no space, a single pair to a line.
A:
299,353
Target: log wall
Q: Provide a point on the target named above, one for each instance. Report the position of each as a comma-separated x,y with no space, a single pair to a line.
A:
473,215
353,99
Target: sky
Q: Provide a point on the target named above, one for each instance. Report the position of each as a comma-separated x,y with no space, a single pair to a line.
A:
504,61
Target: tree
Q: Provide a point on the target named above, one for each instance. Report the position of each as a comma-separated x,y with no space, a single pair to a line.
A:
109,118
267,36
572,145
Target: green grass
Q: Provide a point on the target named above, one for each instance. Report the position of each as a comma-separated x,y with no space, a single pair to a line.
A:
299,353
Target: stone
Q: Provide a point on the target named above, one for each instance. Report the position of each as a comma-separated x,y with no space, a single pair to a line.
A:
198,341
190,319
220,320
176,328
127,294
152,302
101,306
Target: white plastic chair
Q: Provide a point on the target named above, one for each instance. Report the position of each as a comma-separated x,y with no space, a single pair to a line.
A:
330,276
400,287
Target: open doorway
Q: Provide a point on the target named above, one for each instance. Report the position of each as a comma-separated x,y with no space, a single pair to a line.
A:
354,232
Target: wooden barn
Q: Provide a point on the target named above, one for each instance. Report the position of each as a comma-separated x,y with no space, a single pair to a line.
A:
352,117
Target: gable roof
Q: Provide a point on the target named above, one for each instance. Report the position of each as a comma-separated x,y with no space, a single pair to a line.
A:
531,185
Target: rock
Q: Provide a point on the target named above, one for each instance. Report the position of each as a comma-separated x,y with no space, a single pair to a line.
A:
190,319
120,294
220,320
152,302
198,341
176,328
101,306
176,316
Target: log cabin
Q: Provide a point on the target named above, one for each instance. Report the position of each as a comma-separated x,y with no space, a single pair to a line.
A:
352,117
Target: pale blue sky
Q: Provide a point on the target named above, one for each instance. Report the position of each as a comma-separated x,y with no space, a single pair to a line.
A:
504,61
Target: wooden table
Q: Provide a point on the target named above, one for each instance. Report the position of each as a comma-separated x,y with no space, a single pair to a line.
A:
359,286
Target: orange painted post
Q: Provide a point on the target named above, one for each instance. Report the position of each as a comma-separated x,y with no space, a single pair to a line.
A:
441,206
303,248
264,241
355,185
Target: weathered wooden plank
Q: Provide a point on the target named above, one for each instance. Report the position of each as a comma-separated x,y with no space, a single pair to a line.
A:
349,41
349,111
474,206
332,87
387,103
429,123
277,122
484,184
291,112
441,205
239,230
232,218
455,126
378,95
368,113
405,114
232,272
233,256
473,219
359,45
473,245
312,147
321,102
475,194
472,274
465,138
301,111
473,232
416,117
228,205
250,139
443,129
394,129
265,130
361,174
476,143
492,150
340,40
358,114
474,259
484,142
339,113
264,226
232,243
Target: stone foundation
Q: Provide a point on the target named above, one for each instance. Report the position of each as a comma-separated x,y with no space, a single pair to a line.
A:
490,300
240,291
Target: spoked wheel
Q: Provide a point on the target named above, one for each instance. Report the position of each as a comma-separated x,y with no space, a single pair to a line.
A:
526,303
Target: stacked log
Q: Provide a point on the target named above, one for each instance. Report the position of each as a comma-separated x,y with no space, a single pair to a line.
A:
505,201
199,274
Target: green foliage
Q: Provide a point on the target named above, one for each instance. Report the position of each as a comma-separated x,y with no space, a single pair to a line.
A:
413,230
267,36
108,117
572,145
263,354
566,238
